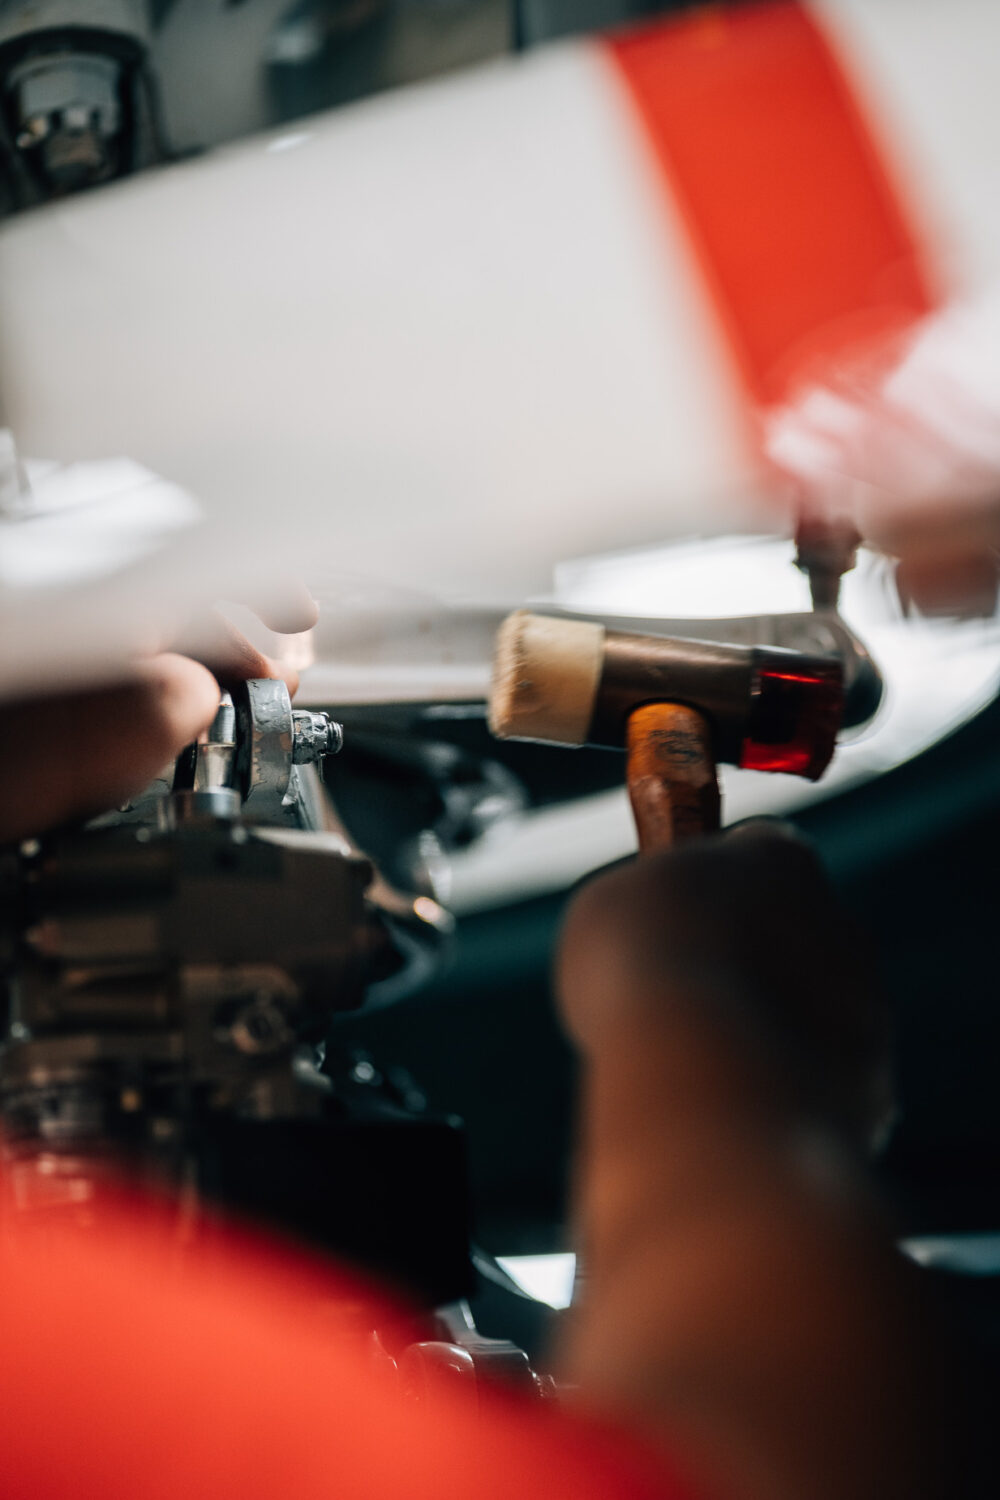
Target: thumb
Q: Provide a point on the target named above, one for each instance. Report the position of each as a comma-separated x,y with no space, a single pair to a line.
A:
77,754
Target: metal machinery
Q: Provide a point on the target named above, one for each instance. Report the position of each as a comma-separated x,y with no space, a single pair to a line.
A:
171,973
78,102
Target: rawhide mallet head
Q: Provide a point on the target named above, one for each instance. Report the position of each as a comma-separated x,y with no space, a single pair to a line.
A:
573,682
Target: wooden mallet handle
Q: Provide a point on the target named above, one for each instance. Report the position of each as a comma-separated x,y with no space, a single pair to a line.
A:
671,775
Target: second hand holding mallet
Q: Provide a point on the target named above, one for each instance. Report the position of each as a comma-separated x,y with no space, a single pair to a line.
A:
676,706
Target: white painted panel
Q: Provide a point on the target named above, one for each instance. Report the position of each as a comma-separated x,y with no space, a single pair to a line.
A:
929,74
445,339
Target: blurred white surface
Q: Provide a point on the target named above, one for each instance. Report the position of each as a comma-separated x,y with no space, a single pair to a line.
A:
438,341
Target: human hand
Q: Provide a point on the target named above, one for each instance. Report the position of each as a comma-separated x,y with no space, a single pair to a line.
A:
741,938
907,447
73,755
742,1301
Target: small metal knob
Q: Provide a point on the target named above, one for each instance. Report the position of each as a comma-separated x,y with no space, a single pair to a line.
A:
314,735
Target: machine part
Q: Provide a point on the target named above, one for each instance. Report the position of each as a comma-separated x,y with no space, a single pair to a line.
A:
825,550
460,1352
671,777
134,904
574,682
314,736
70,116
264,767
211,803
164,984
216,757
77,102
249,757
261,748
273,739
170,970
423,1367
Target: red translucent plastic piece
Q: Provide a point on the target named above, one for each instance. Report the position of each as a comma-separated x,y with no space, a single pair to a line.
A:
794,722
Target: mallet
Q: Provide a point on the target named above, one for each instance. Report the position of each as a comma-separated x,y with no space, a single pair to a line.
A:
677,707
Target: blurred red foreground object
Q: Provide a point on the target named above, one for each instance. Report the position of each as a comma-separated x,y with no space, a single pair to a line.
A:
130,1370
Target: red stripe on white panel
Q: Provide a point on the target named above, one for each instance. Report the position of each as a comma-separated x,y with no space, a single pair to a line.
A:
800,233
